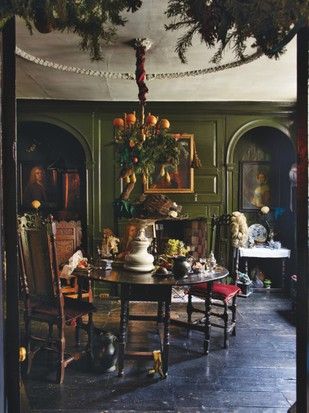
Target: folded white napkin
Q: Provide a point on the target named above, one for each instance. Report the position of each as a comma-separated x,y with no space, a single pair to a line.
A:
73,263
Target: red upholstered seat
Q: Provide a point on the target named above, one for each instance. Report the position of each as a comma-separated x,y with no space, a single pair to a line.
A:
221,311
220,291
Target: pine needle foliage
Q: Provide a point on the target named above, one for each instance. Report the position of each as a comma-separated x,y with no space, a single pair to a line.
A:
94,21
268,24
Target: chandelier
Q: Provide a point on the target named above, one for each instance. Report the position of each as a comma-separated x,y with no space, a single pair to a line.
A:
142,143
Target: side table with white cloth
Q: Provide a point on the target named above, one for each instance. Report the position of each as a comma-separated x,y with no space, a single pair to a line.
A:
266,253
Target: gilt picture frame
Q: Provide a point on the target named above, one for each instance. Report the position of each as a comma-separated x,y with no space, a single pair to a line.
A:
180,178
258,185
71,190
37,182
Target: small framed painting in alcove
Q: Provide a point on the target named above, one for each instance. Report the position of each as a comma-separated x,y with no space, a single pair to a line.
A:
71,190
258,185
37,182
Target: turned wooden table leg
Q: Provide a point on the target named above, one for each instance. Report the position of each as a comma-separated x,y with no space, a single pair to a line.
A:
122,335
284,281
160,311
166,336
207,326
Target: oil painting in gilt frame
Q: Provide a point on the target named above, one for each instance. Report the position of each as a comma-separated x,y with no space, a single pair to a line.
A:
259,185
37,182
177,179
71,190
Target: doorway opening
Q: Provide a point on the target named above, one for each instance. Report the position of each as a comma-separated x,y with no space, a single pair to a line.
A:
52,170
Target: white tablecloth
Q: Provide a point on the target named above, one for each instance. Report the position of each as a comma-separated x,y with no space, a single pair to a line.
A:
258,252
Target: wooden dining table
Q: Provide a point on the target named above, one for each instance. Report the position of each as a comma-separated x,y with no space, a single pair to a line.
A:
151,287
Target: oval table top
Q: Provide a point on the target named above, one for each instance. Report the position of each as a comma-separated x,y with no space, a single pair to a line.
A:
121,276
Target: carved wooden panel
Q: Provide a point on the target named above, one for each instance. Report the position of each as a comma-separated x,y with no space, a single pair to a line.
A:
68,239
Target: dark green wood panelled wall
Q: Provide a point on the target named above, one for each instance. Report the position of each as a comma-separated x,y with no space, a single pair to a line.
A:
217,126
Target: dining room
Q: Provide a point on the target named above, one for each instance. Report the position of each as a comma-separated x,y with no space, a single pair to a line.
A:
159,182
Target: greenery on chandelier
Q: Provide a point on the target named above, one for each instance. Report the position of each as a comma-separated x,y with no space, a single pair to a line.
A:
143,145
268,24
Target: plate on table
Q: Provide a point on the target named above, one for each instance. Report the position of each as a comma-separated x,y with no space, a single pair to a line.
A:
257,232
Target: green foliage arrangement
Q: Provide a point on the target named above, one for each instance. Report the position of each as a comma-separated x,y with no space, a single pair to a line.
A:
143,145
269,24
95,21
142,157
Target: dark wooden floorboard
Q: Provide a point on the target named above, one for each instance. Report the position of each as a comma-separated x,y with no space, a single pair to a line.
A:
256,374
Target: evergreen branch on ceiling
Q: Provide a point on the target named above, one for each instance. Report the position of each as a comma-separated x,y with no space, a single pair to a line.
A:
94,21
269,24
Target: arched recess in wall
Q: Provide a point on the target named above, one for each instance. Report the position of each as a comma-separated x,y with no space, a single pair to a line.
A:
259,146
65,158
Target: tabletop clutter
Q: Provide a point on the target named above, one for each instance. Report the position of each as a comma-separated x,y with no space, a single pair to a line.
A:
137,252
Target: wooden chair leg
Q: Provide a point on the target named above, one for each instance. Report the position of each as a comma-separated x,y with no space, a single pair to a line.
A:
61,362
233,309
90,330
225,320
28,344
50,333
77,331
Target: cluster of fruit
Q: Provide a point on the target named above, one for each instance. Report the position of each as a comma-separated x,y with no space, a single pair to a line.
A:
130,120
142,146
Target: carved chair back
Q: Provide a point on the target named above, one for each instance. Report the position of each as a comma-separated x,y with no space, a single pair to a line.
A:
68,239
38,260
221,243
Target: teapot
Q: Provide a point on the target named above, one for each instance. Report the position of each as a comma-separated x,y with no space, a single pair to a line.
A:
181,266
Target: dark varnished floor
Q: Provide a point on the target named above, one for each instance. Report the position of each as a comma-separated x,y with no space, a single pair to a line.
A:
256,373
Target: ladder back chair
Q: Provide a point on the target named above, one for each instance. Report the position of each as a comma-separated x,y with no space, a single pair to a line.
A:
42,295
223,295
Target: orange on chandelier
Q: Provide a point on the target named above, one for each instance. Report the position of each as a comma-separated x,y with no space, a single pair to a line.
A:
118,123
130,120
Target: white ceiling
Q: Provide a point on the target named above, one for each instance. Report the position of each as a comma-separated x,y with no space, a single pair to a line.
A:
261,80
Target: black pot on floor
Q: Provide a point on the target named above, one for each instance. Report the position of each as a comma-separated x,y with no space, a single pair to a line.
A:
105,351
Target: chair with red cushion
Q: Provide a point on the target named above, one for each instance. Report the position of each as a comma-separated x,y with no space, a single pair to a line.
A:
43,298
223,295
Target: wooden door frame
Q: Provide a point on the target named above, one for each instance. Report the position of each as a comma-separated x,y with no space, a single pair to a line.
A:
9,276
302,306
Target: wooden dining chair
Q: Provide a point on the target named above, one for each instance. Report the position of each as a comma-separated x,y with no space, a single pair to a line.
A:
68,238
223,295
42,295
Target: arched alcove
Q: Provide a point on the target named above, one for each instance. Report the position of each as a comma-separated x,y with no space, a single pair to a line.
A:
62,160
259,142
259,161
